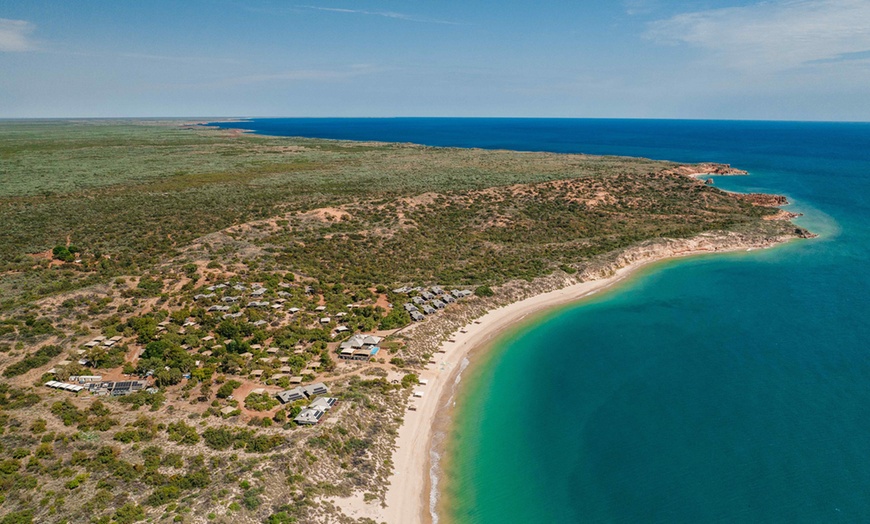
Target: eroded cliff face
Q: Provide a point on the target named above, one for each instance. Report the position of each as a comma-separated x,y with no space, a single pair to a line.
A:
707,168
667,248
762,199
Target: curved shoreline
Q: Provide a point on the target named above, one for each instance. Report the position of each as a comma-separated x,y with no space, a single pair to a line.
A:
410,497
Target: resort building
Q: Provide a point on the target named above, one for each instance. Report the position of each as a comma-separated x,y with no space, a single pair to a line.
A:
309,416
291,395
318,388
359,347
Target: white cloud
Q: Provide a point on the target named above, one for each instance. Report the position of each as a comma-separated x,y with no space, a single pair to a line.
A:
14,35
773,35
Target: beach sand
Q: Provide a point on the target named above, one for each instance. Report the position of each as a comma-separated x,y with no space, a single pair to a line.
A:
408,497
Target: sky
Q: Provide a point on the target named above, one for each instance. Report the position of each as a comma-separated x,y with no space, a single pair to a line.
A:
707,59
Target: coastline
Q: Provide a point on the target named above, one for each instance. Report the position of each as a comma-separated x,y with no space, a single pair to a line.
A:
410,497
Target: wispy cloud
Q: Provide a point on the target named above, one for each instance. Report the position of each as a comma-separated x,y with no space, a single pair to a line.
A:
290,76
15,35
173,58
385,14
640,7
773,35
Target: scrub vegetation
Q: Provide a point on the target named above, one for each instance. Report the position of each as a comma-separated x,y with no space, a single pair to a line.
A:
220,268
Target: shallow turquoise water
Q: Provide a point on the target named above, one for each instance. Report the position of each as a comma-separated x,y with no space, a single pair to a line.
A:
730,388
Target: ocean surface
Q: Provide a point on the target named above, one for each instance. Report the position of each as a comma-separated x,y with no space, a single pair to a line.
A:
724,388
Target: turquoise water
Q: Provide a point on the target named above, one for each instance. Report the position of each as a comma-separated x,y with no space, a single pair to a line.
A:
728,388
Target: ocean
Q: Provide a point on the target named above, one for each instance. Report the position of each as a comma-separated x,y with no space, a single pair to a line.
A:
723,388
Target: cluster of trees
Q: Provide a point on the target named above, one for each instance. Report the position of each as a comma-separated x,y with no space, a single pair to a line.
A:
225,437
36,359
65,253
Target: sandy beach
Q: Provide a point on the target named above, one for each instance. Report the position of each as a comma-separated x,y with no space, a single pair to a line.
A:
408,497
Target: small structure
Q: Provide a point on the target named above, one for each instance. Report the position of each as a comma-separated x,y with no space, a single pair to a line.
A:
291,395
228,410
427,309
117,389
112,341
262,303
82,379
359,347
323,403
318,388
259,292
309,416
63,385
417,316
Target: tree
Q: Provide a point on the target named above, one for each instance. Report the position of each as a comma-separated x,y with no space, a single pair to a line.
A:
62,253
97,356
227,388
167,377
484,291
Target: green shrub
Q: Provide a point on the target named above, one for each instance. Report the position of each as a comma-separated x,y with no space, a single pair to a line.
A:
260,401
227,388
182,433
38,359
484,291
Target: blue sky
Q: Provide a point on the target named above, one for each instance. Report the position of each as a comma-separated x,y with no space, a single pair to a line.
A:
773,59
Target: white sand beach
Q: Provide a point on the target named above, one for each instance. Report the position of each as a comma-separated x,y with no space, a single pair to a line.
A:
408,497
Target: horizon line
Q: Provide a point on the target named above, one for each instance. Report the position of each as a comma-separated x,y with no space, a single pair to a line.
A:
230,118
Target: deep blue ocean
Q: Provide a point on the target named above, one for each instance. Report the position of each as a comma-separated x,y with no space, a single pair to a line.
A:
724,388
